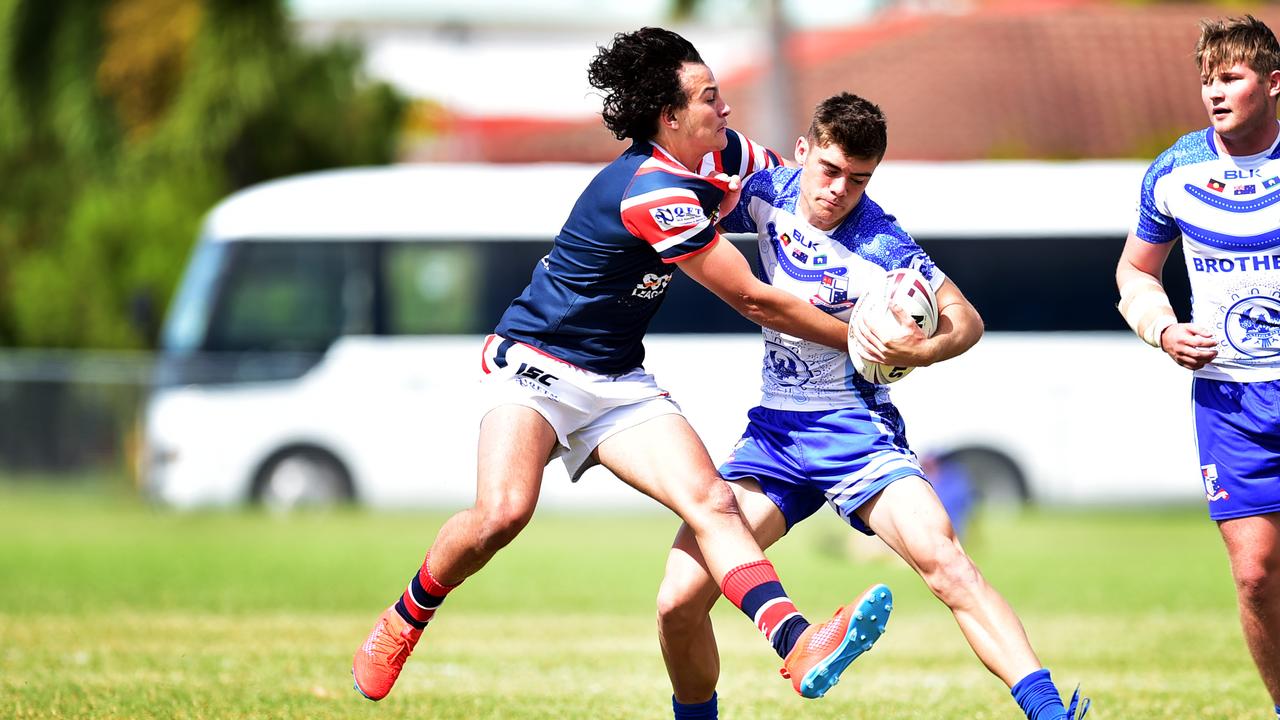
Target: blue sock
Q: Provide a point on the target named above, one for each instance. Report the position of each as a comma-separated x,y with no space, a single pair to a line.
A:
1278,712
695,711
1038,697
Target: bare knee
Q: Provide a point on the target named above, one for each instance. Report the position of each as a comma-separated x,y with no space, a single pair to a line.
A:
949,573
709,505
500,522
1257,583
683,605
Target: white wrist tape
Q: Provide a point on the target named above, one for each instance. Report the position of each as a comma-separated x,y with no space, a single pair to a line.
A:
1146,308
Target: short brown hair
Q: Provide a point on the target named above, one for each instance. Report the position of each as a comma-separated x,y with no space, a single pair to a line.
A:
1239,39
854,124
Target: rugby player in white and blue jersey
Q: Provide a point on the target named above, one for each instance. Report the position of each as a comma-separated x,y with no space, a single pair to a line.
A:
823,434
563,368
1219,190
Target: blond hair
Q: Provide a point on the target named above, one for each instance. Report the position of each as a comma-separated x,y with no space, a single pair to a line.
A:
1234,40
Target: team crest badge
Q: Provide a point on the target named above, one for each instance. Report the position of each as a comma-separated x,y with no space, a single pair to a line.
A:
834,289
1252,326
1212,491
786,368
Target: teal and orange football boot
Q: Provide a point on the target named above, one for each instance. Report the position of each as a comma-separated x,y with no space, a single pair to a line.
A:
823,651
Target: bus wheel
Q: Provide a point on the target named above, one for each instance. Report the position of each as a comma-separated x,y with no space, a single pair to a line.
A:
302,477
995,478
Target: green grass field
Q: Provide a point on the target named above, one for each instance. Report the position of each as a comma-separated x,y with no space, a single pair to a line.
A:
113,609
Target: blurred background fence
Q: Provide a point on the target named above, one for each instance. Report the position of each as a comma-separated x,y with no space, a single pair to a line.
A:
67,413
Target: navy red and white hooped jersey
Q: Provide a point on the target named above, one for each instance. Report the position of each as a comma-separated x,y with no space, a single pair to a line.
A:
831,269
592,297
1227,211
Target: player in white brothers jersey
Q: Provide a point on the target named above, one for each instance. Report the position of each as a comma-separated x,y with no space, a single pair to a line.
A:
1219,190
822,434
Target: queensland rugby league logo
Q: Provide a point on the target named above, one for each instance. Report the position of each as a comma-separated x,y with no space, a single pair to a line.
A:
1212,490
1250,325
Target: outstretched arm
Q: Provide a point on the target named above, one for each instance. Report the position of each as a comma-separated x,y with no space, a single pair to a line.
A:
724,271
1146,307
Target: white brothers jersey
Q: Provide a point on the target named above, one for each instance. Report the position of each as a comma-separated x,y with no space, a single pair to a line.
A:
1227,210
830,269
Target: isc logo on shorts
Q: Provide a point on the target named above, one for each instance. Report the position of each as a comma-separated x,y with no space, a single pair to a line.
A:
528,371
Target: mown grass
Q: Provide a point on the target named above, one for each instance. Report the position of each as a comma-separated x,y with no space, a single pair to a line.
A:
110,608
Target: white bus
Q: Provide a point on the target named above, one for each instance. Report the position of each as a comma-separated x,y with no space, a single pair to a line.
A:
324,342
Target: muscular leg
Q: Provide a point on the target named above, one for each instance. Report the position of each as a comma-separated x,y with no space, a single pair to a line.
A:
664,459
908,516
515,442
1255,566
688,592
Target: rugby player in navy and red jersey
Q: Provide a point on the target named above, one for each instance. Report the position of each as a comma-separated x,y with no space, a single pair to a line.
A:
824,435
1216,189
563,367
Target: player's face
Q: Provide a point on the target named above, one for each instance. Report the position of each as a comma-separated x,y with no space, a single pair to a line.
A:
702,122
1241,105
831,183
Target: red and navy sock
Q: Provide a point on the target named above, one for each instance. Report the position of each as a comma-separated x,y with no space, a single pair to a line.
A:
422,598
754,589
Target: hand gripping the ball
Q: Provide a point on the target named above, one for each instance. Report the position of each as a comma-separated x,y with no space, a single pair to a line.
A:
889,326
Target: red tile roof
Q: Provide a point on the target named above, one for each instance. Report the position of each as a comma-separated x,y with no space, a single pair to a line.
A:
1050,79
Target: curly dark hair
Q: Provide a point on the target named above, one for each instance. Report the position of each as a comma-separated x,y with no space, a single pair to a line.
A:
854,124
640,76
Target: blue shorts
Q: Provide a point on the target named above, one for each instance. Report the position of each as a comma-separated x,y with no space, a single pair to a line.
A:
844,457
1238,438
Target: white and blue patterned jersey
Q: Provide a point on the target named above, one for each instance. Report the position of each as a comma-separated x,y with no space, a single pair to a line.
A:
831,269
1227,211
592,297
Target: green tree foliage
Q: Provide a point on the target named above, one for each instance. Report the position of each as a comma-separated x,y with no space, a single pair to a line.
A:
123,121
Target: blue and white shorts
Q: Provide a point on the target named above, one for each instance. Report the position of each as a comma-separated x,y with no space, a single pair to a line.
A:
844,457
1238,438
583,407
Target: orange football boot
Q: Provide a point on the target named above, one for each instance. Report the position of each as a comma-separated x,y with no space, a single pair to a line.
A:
823,651
379,660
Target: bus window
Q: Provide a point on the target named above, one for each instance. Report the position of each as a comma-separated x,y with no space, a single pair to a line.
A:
1045,284
188,319
292,296
431,288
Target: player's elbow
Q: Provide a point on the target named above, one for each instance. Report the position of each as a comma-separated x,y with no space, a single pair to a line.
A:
976,328
979,326
967,330
755,306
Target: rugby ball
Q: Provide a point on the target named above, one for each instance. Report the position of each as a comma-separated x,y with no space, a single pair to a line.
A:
907,289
